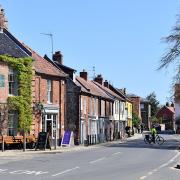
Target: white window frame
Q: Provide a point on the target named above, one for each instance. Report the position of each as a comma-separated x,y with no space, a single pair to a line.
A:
49,91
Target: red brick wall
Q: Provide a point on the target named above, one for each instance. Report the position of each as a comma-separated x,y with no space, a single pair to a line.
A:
136,106
58,98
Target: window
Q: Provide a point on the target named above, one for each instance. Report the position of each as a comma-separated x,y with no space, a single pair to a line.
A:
49,91
12,82
142,106
12,123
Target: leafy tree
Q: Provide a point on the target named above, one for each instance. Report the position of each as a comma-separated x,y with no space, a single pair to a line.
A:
135,120
172,55
154,103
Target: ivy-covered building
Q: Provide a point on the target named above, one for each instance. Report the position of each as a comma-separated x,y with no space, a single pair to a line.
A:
32,91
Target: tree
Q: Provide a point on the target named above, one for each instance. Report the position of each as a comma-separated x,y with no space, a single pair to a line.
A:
135,120
172,55
154,103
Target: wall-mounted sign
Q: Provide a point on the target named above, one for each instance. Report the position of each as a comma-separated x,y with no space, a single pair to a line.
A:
2,80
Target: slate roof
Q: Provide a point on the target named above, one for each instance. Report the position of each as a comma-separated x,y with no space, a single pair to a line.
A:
9,45
126,96
91,88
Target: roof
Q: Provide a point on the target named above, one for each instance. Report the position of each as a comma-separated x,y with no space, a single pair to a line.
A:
91,88
131,95
126,97
171,109
9,45
43,66
144,100
107,90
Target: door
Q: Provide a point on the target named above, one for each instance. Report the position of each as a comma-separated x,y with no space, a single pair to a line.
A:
51,127
83,132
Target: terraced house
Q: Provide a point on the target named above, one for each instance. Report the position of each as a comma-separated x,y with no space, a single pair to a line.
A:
96,108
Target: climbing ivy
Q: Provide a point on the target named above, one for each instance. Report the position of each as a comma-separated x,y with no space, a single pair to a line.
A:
23,102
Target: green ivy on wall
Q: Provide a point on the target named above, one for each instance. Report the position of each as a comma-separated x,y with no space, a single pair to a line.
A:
23,102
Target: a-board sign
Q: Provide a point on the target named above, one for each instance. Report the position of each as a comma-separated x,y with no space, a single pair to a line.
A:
43,141
67,139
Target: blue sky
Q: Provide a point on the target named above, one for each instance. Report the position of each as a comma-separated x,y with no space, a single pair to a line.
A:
121,38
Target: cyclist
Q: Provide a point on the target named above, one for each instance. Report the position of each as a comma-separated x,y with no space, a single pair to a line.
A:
153,133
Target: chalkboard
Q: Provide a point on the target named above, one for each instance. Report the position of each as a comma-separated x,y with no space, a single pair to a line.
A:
43,141
67,138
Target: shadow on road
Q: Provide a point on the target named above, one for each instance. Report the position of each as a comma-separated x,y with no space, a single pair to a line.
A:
170,144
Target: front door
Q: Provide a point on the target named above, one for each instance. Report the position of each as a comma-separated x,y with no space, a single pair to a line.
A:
83,132
51,127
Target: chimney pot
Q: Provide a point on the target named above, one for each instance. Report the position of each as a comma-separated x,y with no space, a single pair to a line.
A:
99,79
58,57
84,75
106,84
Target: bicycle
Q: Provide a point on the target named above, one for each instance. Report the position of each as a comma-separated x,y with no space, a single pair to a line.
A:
158,139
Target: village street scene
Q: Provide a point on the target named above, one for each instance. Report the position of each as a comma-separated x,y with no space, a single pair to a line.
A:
59,121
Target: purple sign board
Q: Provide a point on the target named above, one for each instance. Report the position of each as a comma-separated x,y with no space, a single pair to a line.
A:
66,138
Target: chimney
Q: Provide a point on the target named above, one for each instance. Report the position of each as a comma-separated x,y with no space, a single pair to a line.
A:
106,84
3,20
58,57
84,75
99,79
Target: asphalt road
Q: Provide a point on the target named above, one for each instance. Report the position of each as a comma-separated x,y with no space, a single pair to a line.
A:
132,160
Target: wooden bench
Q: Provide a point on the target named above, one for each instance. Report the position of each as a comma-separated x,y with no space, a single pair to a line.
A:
10,142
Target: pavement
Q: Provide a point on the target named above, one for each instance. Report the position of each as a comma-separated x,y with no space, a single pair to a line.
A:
59,149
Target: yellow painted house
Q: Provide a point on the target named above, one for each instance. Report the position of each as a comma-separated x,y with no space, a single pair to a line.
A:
129,107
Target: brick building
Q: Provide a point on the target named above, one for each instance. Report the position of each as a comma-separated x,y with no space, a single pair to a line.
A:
145,113
177,107
166,114
95,109
136,100
48,90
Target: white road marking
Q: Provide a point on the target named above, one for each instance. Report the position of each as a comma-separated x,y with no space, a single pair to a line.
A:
97,160
116,153
143,177
161,166
36,173
66,171
2,171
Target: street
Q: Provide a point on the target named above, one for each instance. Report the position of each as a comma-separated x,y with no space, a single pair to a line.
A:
131,160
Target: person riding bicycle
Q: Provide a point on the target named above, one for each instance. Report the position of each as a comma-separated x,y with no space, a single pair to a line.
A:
153,133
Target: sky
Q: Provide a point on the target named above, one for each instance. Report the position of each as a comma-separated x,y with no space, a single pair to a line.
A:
122,39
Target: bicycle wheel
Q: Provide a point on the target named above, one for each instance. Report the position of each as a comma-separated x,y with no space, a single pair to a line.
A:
146,141
159,140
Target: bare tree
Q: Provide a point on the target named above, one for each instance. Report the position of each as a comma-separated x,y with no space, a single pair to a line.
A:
172,55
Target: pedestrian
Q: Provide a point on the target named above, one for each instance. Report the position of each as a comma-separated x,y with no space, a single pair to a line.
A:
138,128
142,128
127,129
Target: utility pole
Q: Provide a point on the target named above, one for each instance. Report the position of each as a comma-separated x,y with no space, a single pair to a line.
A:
51,37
